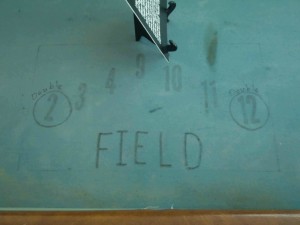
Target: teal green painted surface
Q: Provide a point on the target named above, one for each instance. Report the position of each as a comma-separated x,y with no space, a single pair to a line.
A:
89,118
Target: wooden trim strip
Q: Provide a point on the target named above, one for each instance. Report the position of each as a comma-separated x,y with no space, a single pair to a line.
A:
173,217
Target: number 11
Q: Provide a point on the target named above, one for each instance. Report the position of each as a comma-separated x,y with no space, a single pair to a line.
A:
206,87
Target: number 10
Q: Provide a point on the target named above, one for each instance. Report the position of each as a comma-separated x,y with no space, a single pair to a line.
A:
174,78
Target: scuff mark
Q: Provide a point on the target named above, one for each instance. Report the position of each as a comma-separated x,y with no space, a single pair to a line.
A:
211,45
155,110
151,208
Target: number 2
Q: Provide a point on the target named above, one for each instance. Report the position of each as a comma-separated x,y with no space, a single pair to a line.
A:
53,99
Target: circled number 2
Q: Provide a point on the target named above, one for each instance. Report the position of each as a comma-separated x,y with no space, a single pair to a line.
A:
53,99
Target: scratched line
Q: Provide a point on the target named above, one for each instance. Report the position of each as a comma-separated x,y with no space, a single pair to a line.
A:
155,110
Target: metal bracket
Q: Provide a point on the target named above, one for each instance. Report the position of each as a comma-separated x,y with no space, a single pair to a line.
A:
171,8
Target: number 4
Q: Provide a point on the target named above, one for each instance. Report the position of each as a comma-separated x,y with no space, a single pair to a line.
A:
110,82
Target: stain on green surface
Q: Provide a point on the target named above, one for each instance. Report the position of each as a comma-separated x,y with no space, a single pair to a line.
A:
211,46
